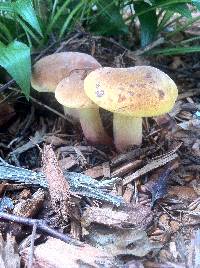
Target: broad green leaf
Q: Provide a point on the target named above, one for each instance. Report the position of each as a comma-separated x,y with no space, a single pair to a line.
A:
15,58
25,9
148,23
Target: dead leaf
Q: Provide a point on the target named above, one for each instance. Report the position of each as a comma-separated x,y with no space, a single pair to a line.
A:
193,124
182,193
57,254
158,187
117,242
133,215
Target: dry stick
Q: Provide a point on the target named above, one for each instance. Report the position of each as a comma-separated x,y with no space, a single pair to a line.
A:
35,100
30,259
41,225
48,107
7,85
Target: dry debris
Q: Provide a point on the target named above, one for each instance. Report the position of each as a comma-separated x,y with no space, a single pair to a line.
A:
9,258
99,196
55,253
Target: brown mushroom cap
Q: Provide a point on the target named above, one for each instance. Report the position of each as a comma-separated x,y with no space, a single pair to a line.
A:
50,70
139,91
70,92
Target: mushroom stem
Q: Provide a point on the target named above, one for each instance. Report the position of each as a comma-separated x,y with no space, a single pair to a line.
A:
127,131
92,126
72,113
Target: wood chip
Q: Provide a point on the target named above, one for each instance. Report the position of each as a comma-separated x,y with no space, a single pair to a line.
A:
161,161
30,207
95,172
67,163
118,172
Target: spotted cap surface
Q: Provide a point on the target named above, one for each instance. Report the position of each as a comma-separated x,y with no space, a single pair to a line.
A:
140,91
50,70
70,92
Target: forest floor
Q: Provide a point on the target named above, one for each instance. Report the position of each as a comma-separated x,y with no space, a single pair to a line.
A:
154,225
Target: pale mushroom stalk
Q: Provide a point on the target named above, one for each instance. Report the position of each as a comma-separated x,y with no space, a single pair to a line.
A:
92,126
71,113
70,93
127,130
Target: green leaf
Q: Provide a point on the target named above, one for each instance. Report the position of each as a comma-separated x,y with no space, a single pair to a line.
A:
181,9
15,58
196,3
25,9
174,51
148,23
108,20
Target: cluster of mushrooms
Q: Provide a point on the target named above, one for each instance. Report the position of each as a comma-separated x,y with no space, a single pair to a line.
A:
82,85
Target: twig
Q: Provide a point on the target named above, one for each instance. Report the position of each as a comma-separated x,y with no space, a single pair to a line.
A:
30,260
68,41
7,85
41,225
48,107
36,101
154,44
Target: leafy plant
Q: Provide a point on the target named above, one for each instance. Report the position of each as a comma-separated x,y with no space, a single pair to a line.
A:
15,57
34,22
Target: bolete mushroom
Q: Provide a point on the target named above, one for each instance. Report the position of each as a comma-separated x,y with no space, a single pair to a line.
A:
50,70
70,93
131,93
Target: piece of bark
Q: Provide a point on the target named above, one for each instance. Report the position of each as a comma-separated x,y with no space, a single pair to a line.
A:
57,254
58,185
63,203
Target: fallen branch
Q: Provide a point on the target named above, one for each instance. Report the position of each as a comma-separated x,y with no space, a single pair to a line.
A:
40,225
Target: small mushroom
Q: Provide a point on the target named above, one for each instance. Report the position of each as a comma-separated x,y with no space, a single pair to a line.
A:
50,70
70,93
131,93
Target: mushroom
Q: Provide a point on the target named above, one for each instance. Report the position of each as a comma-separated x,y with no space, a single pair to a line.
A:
131,93
50,70
70,93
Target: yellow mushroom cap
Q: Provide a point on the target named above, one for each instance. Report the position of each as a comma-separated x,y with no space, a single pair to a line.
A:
140,91
70,92
50,70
